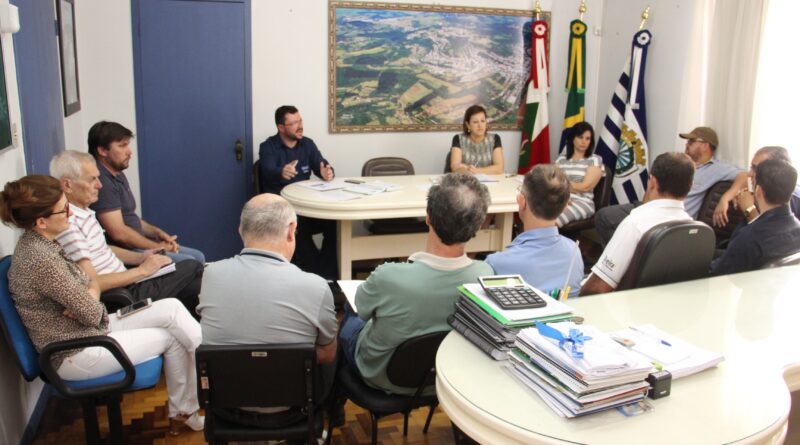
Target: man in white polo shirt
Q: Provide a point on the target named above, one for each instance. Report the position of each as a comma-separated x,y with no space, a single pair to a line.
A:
84,242
670,181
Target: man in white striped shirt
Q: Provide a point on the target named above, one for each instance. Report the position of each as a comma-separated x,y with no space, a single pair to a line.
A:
84,242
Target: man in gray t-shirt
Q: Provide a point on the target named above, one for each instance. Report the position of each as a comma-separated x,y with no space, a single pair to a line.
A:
259,297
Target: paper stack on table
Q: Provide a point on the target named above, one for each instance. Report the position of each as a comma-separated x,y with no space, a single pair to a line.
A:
678,357
493,329
607,375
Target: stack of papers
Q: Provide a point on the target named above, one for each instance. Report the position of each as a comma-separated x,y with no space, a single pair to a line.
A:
493,329
671,353
607,376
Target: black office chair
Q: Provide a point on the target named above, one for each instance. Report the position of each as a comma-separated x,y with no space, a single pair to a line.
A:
602,195
105,390
706,213
256,176
392,166
670,252
788,260
258,376
413,365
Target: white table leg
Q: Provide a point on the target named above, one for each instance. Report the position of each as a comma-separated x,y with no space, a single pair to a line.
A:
344,242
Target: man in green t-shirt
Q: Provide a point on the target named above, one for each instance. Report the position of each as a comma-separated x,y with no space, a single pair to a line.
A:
400,301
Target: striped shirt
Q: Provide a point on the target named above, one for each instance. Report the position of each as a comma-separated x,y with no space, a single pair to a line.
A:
576,171
85,239
581,205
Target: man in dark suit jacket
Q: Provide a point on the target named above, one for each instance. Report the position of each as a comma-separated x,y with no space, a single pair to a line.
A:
775,233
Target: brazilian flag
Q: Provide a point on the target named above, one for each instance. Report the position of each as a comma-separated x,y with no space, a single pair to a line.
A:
576,79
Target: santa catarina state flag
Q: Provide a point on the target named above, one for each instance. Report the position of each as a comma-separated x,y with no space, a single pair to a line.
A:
535,147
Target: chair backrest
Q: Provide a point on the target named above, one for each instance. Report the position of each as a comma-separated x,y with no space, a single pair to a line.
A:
706,213
256,375
257,177
602,191
413,364
387,166
447,168
670,252
14,331
788,260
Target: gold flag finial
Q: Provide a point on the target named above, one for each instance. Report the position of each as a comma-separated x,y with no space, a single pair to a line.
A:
645,16
538,9
582,8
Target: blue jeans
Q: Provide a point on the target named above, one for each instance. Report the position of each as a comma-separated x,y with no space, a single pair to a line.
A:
187,253
348,335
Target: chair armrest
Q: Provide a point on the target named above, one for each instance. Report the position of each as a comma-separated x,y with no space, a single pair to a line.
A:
116,298
102,341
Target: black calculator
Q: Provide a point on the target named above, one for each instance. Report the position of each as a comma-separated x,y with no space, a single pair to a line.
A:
511,292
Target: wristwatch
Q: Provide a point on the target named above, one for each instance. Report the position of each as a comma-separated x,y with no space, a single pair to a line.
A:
749,210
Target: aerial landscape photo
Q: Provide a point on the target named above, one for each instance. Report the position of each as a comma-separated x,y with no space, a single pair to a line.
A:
425,68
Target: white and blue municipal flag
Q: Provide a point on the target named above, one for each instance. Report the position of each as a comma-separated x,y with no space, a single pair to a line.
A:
623,138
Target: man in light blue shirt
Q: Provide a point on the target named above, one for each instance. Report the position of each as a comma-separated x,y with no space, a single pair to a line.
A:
540,254
701,146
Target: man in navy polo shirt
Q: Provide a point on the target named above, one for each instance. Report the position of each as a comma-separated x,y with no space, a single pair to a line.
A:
288,157
116,205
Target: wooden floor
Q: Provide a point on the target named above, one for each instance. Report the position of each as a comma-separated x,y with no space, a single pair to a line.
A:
144,416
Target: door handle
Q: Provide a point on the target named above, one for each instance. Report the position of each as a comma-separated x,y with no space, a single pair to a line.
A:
238,148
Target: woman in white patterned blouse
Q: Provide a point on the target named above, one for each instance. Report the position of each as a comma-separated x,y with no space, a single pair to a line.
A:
584,170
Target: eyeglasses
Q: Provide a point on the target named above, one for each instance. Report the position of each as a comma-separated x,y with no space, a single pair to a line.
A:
66,210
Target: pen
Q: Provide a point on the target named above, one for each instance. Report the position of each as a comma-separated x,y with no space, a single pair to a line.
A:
566,293
663,342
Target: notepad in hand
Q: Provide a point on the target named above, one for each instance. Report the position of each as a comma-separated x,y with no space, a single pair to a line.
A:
169,268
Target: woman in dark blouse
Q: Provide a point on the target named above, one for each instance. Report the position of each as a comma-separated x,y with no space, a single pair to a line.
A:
57,301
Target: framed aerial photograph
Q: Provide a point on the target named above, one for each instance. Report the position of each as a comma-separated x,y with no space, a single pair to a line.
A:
69,56
410,67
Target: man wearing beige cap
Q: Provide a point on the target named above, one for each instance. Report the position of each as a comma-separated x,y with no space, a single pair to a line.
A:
701,144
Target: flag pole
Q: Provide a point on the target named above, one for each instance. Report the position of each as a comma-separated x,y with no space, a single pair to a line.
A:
645,16
582,8
538,10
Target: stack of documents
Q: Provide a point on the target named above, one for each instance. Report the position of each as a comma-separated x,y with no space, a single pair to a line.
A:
606,376
493,329
669,352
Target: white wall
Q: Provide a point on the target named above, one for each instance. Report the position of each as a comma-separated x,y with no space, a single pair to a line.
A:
105,61
294,35
17,397
670,23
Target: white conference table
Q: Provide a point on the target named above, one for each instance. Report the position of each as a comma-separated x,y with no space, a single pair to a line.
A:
409,201
753,319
